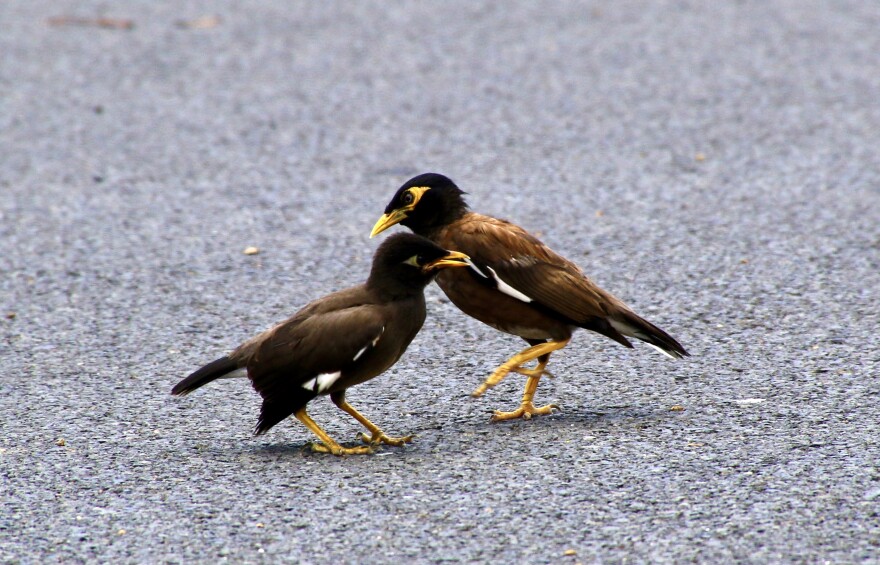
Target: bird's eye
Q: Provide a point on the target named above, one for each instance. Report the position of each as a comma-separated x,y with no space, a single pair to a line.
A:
407,198
420,260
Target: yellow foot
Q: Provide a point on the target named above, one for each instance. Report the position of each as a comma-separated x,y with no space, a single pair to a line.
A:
380,437
337,449
525,411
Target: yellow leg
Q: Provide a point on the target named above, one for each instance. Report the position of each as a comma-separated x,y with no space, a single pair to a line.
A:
526,409
515,364
538,371
328,445
378,435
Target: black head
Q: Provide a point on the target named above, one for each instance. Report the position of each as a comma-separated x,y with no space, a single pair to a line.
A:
423,204
407,261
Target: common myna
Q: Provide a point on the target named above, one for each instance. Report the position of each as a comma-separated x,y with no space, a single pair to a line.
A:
515,284
338,341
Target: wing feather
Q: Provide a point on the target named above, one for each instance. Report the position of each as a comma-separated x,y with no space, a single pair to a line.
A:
525,264
299,350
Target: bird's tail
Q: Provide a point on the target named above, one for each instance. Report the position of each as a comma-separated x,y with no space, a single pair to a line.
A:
212,371
630,324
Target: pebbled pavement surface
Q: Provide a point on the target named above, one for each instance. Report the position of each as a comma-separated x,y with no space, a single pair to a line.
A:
715,166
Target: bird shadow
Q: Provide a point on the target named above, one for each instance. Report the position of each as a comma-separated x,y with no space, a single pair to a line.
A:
618,416
450,435
303,450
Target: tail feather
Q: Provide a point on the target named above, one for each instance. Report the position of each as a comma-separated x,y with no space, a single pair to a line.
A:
602,326
632,325
277,408
212,371
272,413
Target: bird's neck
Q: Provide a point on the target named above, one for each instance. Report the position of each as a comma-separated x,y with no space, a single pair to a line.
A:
392,291
433,228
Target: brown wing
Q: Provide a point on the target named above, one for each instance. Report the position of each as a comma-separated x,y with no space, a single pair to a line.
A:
523,267
306,346
525,264
309,355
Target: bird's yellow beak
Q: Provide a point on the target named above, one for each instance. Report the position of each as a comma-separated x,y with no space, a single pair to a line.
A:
388,220
453,259
396,216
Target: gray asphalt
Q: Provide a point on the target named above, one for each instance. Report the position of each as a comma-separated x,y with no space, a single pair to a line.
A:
716,167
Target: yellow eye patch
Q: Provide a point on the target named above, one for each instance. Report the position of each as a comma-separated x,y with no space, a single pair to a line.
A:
413,195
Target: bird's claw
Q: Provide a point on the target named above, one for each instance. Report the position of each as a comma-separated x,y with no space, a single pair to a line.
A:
319,447
380,437
525,411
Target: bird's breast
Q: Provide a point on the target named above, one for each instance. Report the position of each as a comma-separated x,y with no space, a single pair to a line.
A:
401,326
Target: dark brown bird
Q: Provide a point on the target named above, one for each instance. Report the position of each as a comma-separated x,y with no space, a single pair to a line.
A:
338,341
515,284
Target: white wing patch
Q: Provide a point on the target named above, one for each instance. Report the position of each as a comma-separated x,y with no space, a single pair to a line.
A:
322,382
326,380
506,288
310,384
373,343
361,352
476,269
376,339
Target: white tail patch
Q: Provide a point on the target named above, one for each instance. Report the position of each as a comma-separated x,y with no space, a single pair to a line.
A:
506,288
631,332
322,382
622,328
236,374
661,351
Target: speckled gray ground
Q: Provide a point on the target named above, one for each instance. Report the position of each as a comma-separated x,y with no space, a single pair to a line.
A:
716,167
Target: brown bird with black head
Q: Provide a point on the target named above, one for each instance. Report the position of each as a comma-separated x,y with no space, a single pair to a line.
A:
515,284
338,341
